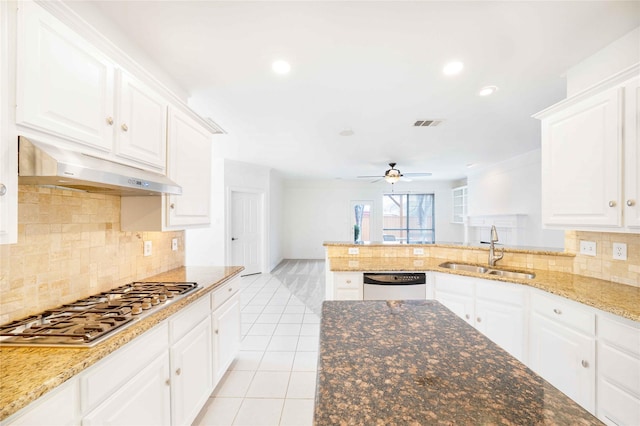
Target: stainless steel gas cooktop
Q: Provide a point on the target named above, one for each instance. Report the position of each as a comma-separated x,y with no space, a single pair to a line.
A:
86,322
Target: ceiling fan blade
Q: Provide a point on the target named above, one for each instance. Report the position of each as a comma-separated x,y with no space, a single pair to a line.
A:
377,180
417,174
369,177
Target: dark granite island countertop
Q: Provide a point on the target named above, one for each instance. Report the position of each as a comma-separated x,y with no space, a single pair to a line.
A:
416,363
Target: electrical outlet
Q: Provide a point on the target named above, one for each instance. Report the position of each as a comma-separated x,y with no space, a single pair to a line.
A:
354,250
620,251
147,248
174,244
418,251
588,248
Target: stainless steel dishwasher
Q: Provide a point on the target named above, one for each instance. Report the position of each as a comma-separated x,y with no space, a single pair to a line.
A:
395,285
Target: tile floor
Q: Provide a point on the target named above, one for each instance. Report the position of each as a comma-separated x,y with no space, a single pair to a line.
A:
272,380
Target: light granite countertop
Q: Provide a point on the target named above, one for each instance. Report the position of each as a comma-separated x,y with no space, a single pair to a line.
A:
27,373
415,363
512,249
618,299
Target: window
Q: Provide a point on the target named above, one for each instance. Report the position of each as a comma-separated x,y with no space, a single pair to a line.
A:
408,218
361,217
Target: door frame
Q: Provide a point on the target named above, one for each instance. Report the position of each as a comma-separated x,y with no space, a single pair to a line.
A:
263,221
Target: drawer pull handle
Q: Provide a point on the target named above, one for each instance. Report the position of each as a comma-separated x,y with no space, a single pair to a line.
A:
348,281
124,127
167,382
467,316
230,289
631,203
178,372
612,203
3,189
110,121
585,363
557,311
216,331
479,319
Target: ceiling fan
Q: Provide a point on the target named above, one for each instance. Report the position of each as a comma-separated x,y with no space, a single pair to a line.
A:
393,175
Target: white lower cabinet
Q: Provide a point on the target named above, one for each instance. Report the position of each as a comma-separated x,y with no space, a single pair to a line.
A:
493,308
143,400
618,377
225,321
562,346
348,286
191,373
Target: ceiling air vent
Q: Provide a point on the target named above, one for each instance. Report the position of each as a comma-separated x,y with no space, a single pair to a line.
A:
427,123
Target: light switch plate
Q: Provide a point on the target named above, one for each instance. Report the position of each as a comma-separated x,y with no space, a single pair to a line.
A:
354,250
620,251
418,250
174,244
588,248
147,248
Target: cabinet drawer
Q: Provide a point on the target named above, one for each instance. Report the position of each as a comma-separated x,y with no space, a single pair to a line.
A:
564,312
103,379
224,293
348,280
58,407
187,319
619,368
615,333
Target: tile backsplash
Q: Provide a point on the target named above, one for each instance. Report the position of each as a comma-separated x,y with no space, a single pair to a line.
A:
602,265
70,246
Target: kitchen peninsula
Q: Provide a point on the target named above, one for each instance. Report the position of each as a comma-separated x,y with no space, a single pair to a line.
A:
415,362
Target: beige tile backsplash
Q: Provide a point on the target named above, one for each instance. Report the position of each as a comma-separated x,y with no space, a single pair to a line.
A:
603,265
70,246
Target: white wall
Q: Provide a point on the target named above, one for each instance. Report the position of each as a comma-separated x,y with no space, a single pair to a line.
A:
316,211
617,56
512,187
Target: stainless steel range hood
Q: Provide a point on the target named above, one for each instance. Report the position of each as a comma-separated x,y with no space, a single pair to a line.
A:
43,164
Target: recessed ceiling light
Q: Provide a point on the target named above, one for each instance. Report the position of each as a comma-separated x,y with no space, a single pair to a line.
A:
346,132
281,67
470,165
453,68
487,90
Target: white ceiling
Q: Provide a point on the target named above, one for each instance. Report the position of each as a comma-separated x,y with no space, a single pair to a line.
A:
374,68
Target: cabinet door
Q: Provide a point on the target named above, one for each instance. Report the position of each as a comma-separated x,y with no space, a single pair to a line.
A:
191,373
581,155
142,124
190,166
226,329
632,155
8,146
503,324
348,286
64,84
460,305
565,358
144,400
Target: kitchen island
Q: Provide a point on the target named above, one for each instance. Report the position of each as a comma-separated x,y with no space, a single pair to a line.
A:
415,362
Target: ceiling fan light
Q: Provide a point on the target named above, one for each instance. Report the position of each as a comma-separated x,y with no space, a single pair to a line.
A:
392,178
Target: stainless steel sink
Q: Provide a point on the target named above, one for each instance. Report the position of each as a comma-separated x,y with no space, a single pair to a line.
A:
482,270
513,274
464,267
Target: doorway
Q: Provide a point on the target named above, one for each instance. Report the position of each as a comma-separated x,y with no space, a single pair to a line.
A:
247,231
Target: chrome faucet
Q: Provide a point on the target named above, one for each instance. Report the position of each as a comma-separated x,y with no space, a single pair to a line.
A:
492,255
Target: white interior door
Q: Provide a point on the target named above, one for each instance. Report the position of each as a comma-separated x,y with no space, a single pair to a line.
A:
246,231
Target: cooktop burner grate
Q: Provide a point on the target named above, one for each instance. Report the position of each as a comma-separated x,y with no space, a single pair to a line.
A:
87,321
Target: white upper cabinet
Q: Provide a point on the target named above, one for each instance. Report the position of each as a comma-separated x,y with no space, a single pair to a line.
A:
67,88
142,123
590,159
190,166
632,155
64,84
